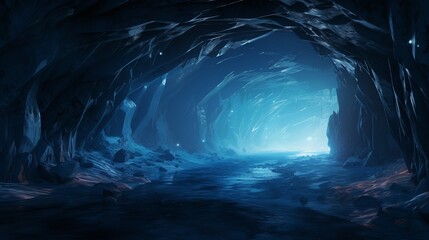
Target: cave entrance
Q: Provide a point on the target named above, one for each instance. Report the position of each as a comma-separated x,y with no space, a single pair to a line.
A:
271,94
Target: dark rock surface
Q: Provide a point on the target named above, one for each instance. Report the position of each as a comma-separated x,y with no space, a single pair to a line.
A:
397,187
423,186
121,156
229,199
353,162
60,173
365,202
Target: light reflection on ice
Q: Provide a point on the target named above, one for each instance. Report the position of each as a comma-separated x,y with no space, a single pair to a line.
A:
251,176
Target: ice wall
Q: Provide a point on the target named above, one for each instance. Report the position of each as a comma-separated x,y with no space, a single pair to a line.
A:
264,96
286,116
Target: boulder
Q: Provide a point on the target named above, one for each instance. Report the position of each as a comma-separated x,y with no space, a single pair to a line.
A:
121,156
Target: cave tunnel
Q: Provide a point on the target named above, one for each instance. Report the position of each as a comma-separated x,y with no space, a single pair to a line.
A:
214,119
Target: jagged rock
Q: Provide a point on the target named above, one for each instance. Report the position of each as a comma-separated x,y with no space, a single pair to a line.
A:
419,204
332,133
60,172
121,156
366,202
120,124
418,201
32,123
48,155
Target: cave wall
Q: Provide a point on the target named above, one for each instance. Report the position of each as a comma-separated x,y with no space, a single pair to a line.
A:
65,66
396,64
360,128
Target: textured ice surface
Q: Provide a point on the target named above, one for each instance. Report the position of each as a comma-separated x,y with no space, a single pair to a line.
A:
283,115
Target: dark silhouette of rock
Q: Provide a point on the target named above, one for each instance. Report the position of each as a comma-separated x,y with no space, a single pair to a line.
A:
121,156
60,172
397,188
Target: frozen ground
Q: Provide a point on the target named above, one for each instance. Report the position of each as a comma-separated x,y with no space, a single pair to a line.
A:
271,196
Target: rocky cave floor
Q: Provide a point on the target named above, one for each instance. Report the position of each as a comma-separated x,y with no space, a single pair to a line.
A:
271,196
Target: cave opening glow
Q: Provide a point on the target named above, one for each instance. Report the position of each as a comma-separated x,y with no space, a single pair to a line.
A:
272,94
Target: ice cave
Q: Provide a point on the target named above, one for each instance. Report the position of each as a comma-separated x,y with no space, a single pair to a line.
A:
214,119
